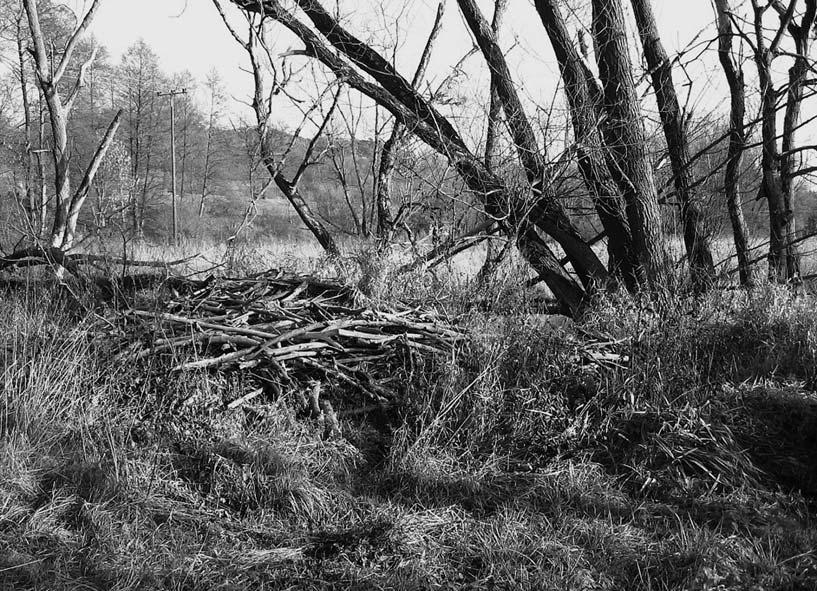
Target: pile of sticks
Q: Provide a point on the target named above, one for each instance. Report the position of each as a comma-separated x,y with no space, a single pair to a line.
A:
289,332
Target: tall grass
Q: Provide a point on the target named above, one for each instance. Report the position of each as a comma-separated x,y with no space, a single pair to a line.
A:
511,464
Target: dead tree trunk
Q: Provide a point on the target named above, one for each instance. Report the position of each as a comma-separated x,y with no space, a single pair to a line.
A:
802,35
49,75
590,150
42,191
495,106
625,138
207,166
696,241
78,199
737,137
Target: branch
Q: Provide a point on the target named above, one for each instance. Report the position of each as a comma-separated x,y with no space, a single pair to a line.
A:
72,42
34,256
803,172
785,21
69,104
422,66
40,55
236,36
798,149
358,53
93,167
307,160
452,246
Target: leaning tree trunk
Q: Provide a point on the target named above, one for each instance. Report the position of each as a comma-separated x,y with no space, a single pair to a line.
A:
626,139
495,105
547,212
590,151
696,241
737,138
78,199
396,94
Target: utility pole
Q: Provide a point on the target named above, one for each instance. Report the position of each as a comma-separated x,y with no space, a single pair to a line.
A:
172,94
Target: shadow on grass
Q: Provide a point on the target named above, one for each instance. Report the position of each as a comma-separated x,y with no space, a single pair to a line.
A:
779,431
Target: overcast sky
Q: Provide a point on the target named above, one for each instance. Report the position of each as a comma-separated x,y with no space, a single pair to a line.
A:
189,35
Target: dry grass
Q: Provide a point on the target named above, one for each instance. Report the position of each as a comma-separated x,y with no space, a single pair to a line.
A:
505,467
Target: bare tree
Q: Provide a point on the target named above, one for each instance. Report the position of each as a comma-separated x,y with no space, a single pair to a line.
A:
395,93
140,81
784,259
356,179
494,256
388,155
49,74
262,105
733,70
22,63
585,103
803,36
215,89
697,242
547,211
626,140
326,40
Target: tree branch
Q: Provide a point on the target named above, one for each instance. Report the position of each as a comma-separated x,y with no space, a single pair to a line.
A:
93,167
69,104
72,42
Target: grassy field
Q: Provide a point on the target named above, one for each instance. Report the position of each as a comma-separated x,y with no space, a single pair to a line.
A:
506,465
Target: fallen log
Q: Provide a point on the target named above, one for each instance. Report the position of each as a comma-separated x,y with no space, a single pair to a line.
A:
38,255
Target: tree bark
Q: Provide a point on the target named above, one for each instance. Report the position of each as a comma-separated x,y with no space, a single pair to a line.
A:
737,138
547,212
783,256
493,258
802,35
81,194
536,251
495,106
206,172
626,140
42,192
696,240
590,151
